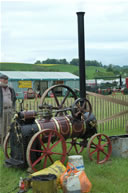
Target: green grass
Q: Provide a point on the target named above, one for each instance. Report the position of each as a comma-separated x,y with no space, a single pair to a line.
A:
20,67
35,67
90,70
111,177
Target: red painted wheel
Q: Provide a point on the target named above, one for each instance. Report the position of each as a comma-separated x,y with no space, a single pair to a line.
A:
44,148
6,146
74,144
99,148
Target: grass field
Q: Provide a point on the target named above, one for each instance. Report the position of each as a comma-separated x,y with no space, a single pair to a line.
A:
91,71
111,177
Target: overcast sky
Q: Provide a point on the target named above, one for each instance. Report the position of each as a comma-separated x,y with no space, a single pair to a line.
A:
37,30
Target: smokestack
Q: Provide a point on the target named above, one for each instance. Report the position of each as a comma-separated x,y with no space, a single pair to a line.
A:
81,48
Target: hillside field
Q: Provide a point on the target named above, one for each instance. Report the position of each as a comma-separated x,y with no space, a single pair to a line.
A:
91,71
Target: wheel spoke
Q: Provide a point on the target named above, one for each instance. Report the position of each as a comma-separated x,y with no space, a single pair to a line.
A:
41,142
55,144
57,153
99,140
49,139
98,156
83,105
76,114
51,159
36,150
45,162
78,105
104,145
104,152
70,149
93,147
39,159
93,152
55,97
76,148
93,144
63,101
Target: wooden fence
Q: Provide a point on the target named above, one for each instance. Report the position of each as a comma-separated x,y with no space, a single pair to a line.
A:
111,111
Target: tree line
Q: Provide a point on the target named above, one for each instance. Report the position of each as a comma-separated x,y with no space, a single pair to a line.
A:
115,69
74,61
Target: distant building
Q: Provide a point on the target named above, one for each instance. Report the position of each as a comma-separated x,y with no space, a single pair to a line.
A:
39,81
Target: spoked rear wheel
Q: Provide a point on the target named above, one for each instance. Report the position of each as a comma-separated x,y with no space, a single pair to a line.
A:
58,105
73,143
99,148
51,147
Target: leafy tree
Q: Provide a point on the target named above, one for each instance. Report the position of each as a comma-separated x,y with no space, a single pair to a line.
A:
55,61
63,61
75,61
93,63
110,68
116,72
50,61
38,62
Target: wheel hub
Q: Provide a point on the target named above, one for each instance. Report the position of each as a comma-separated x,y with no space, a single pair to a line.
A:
47,152
100,148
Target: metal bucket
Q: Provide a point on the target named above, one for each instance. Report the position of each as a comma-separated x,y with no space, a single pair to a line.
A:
77,161
44,184
119,145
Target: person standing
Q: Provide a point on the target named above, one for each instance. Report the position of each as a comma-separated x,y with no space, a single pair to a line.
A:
7,105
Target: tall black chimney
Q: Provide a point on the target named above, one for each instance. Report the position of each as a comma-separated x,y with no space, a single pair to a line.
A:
80,16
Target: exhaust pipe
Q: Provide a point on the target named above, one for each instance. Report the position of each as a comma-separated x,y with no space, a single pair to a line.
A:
81,49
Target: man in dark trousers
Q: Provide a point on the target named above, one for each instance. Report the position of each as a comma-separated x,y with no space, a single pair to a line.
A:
7,105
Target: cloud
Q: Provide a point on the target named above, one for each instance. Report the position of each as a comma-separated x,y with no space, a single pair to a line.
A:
41,29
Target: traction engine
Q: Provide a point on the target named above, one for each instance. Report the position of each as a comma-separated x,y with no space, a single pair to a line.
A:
38,138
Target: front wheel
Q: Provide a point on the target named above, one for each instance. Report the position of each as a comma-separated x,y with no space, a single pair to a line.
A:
44,148
99,148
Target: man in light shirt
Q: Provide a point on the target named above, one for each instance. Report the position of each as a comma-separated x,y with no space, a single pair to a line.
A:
7,104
